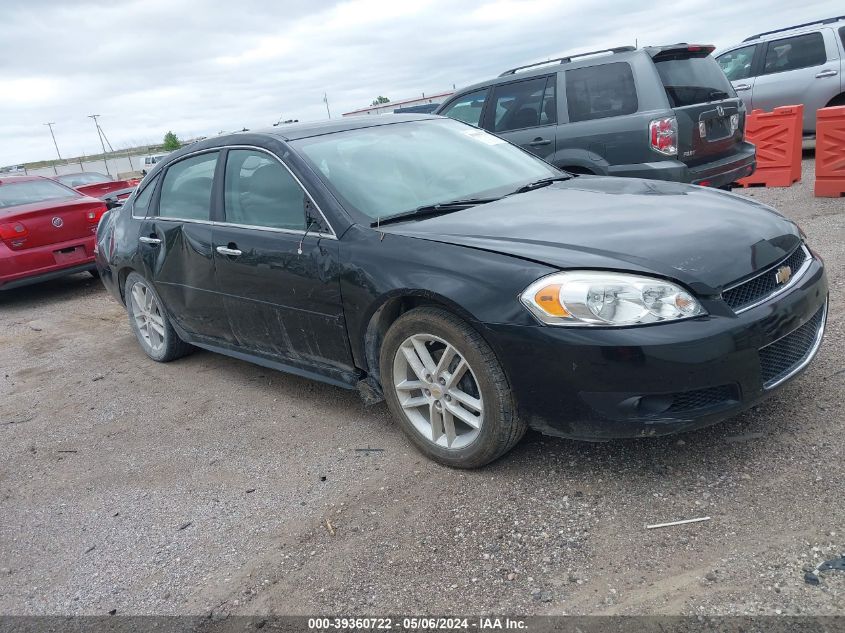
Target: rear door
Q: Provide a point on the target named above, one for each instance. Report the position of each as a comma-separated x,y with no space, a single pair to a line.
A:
710,116
276,263
738,66
175,246
525,113
802,69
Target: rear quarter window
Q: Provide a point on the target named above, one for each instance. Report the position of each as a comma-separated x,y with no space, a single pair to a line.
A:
598,92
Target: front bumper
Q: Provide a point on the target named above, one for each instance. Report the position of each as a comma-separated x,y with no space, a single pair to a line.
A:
717,173
600,384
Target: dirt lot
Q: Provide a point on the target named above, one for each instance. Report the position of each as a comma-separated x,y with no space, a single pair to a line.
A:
211,485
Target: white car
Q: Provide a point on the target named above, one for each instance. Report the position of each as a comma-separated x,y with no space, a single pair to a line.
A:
149,162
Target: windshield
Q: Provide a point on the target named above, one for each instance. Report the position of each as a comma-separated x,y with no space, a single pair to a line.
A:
78,180
693,80
29,191
385,170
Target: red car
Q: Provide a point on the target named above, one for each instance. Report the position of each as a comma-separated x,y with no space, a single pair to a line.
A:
98,185
47,230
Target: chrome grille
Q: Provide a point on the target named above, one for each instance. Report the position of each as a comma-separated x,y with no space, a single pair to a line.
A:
764,284
787,355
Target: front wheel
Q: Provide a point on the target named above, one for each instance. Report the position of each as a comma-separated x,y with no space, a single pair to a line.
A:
445,386
150,323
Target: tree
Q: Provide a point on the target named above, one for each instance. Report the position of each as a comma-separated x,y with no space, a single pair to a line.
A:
171,142
380,100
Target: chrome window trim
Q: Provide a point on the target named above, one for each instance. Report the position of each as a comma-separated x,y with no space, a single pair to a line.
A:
298,182
811,354
268,229
808,259
332,235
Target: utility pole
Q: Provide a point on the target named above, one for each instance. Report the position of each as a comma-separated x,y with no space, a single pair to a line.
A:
102,143
50,125
326,101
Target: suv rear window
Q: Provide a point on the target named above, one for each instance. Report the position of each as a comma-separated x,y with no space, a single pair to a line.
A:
693,80
598,92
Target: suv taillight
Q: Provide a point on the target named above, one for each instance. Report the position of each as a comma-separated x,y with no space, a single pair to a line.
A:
664,135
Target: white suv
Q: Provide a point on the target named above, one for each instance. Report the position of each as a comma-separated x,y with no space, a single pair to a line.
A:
801,64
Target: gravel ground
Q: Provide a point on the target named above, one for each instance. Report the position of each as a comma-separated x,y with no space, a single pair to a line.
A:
212,486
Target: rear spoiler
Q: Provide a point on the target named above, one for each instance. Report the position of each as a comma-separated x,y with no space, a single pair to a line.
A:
679,51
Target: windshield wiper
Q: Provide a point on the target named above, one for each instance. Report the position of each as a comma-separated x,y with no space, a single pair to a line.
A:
544,182
433,209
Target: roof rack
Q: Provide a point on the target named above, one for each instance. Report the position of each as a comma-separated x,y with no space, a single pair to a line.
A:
569,58
797,26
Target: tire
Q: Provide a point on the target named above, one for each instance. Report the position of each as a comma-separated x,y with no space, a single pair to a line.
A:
424,405
151,324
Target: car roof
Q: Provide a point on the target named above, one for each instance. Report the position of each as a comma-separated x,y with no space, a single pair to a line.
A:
553,66
791,30
296,131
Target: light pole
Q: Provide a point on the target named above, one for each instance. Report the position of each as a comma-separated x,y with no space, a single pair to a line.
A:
105,162
326,101
50,125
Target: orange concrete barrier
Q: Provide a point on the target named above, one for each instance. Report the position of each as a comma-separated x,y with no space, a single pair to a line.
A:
777,137
830,152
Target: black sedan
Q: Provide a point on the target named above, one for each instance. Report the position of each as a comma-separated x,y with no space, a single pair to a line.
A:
477,289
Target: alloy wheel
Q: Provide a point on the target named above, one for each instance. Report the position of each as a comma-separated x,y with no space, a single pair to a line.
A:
438,391
148,316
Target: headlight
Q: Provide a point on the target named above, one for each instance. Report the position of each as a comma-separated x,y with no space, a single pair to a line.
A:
610,299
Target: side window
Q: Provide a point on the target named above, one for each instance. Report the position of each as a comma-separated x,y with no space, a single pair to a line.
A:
597,92
524,104
736,64
141,205
259,191
791,53
467,108
186,189
842,36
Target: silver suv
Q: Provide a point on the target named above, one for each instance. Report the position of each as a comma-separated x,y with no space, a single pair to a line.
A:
801,64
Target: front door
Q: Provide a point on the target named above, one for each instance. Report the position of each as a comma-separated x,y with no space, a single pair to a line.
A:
525,113
277,266
738,66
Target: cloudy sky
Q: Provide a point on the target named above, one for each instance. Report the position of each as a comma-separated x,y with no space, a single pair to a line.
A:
197,66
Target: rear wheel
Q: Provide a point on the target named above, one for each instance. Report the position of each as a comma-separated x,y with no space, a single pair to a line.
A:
446,388
150,323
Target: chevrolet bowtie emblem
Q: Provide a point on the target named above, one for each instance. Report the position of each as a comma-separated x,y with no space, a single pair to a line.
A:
783,274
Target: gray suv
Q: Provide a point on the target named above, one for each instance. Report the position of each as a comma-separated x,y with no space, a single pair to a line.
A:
798,64
662,112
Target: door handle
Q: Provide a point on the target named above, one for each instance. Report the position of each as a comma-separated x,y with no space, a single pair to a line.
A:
826,73
153,241
232,252
537,142
741,87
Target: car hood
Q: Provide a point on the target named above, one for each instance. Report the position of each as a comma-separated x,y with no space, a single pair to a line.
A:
702,237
